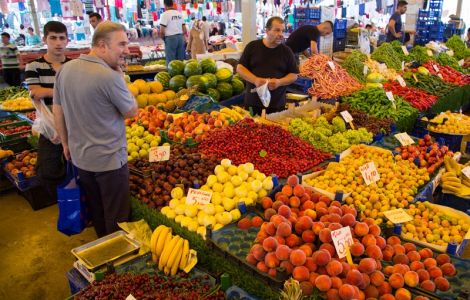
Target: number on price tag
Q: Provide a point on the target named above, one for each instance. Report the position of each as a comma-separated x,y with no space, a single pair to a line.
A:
405,50
397,216
401,81
198,197
450,52
461,62
466,171
365,70
346,116
402,65
404,139
392,99
436,68
429,52
369,173
161,153
342,239
332,65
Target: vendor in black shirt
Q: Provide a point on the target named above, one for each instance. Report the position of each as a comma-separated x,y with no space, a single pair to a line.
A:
268,60
307,36
394,27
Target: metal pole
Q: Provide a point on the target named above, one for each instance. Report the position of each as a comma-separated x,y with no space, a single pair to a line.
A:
34,15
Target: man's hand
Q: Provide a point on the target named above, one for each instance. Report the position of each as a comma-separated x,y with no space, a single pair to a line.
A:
259,81
66,151
398,35
274,83
35,95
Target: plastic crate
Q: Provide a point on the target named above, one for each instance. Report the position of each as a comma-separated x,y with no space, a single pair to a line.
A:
234,292
453,201
339,34
302,84
315,13
235,100
38,198
341,24
454,142
23,183
301,12
339,45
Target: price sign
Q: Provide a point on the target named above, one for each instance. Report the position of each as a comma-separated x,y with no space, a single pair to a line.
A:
461,62
429,52
382,68
402,65
345,153
466,171
369,173
392,99
440,76
332,65
416,78
130,297
436,68
198,197
342,239
397,216
405,50
450,52
436,181
404,139
401,81
161,153
365,70
346,116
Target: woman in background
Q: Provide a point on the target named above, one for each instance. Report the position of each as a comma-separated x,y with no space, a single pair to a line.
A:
197,40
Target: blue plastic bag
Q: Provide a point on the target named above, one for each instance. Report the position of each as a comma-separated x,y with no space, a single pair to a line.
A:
72,204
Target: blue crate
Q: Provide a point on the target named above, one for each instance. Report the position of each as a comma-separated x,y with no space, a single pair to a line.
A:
303,83
235,100
301,12
454,142
23,183
341,24
339,45
338,34
453,201
315,13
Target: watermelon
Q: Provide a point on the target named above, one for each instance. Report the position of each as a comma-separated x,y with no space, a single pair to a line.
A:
237,86
189,61
176,67
208,65
163,78
161,62
211,80
237,76
177,83
214,94
191,69
225,89
223,75
195,80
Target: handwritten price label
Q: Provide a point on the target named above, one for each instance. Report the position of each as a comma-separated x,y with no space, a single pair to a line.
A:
161,153
429,52
130,297
466,171
405,51
346,116
369,173
450,52
404,139
397,216
342,239
401,81
332,65
365,70
436,68
392,99
461,62
198,197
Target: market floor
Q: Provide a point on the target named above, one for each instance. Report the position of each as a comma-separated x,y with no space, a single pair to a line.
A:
34,256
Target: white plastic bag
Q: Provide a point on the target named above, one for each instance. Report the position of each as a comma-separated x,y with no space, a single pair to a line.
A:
263,93
44,123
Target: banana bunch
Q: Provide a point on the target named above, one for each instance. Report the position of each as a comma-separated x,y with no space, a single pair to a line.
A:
232,114
171,253
454,180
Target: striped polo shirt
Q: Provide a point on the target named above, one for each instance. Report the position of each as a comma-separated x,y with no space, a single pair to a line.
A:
9,57
40,72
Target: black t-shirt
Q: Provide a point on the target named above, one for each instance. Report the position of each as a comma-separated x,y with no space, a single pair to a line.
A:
397,17
267,62
300,39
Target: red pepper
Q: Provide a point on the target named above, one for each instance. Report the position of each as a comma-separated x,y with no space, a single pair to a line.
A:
416,97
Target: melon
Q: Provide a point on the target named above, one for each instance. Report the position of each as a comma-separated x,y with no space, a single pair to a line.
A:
223,75
195,80
211,80
192,69
177,82
237,86
214,94
163,78
176,67
225,89
208,65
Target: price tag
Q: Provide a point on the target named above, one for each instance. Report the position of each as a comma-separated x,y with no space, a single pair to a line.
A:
404,139
440,76
346,116
130,297
365,70
436,181
382,68
402,65
450,52
332,65
161,153
405,50
397,216
401,81
466,171
392,99
416,78
342,239
369,173
345,153
198,197
436,68
429,52
461,62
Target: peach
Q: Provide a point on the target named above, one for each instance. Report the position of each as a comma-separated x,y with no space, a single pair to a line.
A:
297,257
371,292
374,252
402,294
423,275
250,258
413,255
268,213
361,229
292,241
401,268
399,249
310,264
442,259
442,284
308,236
348,220
271,260
330,248
334,209
349,210
307,249
409,247
411,279
317,227
385,288
421,298
346,268
257,221
272,272
336,282
393,240
321,257
304,198
374,229
332,294
286,265
377,278
310,213
258,252
287,190
334,268
425,253
277,204
388,252
283,252
325,235
368,240
357,249
306,286
308,204
335,226
323,283
396,280
354,277
278,219
448,269
435,272
387,297
270,228
244,223
294,201
428,285
346,292
284,229
304,223
280,240
270,244
293,181
262,267
416,265
429,262
334,218
313,277
401,259
266,202
388,270
365,281
284,211
380,241
367,265
301,273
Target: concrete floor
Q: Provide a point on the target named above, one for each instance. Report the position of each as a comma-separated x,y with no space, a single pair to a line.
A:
34,256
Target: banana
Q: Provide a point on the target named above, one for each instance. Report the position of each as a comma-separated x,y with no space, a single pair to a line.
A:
185,255
175,252
167,251
448,165
154,238
166,270
176,262
161,241
455,166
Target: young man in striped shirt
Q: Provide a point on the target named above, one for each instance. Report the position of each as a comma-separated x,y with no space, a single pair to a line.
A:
10,62
40,77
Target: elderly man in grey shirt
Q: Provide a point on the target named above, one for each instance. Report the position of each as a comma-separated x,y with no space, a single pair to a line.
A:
91,101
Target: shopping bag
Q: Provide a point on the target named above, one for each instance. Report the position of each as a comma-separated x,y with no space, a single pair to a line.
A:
71,200
263,93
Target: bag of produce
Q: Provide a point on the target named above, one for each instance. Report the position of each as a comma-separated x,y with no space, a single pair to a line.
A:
44,123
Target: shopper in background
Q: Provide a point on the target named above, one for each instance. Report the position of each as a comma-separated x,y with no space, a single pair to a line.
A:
268,60
197,43
40,77
307,36
206,27
95,19
172,31
10,61
394,24
214,29
222,28
21,39
90,120
468,38
32,39
10,31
